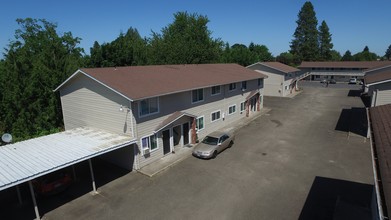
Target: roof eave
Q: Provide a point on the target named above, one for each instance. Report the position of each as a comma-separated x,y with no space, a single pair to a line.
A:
79,71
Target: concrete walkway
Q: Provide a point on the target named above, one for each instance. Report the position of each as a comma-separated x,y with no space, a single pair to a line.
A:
182,153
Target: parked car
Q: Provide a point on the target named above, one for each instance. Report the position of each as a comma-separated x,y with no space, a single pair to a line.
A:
323,81
53,183
352,81
332,81
213,144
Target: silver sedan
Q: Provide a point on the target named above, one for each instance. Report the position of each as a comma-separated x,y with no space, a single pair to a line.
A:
213,144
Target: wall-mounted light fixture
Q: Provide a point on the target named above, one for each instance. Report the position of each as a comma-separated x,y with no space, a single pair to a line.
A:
121,108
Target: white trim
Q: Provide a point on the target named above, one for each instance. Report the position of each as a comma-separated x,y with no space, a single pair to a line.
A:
211,91
234,105
149,114
215,119
376,68
264,64
149,143
379,82
80,71
202,116
203,96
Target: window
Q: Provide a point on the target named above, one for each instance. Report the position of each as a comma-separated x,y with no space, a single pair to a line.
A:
215,116
244,85
242,106
148,106
149,142
197,95
200,123
232,86
231,109
215,90
259,82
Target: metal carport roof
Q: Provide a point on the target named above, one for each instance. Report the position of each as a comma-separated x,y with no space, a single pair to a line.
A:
27,160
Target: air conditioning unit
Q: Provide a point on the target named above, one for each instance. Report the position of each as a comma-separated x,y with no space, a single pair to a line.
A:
146,151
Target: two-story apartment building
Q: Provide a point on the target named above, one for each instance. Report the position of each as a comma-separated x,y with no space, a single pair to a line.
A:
281,79
162,107
340,71
377,85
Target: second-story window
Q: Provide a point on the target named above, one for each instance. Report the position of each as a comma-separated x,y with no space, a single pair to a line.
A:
232,86
197,95
215,90
244,85
148,106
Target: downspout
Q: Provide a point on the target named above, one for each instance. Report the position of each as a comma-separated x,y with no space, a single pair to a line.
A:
137,151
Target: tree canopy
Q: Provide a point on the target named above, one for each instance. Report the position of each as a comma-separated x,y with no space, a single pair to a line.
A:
325,45
387,55
37,61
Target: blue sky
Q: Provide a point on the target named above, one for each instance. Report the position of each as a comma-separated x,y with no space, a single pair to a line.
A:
354,24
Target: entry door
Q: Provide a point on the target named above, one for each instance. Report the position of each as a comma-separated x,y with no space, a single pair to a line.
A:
186,129
166,142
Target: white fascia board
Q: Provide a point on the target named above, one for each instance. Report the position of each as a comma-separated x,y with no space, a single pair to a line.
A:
87,75
380,82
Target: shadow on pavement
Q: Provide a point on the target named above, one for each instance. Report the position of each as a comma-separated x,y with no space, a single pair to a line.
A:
104,173
353,120
337,199
355,93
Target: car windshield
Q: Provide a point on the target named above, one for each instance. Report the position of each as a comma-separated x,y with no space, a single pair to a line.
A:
210,140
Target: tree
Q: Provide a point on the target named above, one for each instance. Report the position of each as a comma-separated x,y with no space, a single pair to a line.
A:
347,56
241,55
335,55
286,58
365,55
325,45
305,44
388,53
261,52
186,41
35,63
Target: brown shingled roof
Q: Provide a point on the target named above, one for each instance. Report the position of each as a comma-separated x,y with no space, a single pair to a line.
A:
280,66
380,117
138,82
378,77
345,64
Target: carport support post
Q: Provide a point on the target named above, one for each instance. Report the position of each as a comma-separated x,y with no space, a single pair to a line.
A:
92,176
34,201
19,196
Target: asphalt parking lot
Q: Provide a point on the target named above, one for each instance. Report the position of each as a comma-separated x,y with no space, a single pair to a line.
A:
306,159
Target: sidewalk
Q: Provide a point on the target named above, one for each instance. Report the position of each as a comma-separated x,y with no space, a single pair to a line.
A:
182,153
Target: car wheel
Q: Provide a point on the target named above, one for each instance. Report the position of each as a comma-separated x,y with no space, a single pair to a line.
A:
214,154
230,144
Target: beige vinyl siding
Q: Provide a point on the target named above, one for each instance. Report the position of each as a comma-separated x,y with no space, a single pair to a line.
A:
383,97
274,84
87,103
182,102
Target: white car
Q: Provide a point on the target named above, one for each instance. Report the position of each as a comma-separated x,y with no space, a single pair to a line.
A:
352,81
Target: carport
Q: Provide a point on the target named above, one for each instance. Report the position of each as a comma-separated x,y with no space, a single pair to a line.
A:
24,161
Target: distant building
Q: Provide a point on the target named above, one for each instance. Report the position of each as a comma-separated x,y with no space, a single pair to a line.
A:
340,71
281,79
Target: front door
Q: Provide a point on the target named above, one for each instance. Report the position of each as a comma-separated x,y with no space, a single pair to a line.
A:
166,141
186,129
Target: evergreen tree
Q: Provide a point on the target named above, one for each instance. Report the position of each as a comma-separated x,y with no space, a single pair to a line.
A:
35,63
305,46
365,55
335,55
347,56
387,55
325,45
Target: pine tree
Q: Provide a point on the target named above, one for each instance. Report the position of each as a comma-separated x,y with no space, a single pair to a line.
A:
347,56
305,45
325,45
388,53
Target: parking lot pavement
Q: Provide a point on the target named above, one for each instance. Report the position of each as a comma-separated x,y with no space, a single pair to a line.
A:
291,163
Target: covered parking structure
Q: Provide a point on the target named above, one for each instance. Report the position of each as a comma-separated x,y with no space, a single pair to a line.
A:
24,161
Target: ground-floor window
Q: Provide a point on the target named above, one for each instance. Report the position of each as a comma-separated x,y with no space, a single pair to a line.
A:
149,142
242,106
317,76
215,116
231,109
200,123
